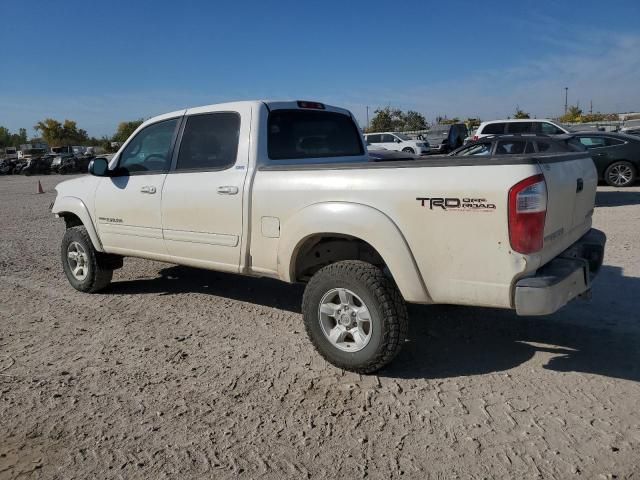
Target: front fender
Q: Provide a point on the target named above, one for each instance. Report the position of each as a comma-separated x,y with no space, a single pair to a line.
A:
359,221
77,207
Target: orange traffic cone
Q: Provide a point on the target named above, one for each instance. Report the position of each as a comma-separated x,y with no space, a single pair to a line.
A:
40,190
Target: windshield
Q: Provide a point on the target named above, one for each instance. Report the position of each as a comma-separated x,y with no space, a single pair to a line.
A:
402,137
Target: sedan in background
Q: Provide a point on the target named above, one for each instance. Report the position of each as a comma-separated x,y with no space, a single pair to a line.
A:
518,145
616,155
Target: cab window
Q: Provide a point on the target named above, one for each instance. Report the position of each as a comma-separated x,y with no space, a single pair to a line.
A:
149,151
209,142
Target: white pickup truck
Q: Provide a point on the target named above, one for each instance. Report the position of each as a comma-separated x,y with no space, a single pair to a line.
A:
287,190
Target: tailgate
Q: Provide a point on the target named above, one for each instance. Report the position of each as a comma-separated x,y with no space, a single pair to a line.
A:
571,191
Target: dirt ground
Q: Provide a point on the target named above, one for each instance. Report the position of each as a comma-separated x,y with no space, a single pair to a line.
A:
179,373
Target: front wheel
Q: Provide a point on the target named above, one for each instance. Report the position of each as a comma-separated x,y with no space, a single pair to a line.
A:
620,174
82,262
408,150
355,316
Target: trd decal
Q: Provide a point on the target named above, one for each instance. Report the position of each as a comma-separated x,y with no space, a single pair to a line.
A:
457,204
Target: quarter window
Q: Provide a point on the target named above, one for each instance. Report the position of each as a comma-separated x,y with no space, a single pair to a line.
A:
593,142
149,151
549,129
493,129
209,142
520,127
613,141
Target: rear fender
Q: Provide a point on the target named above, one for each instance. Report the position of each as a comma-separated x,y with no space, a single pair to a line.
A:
359,221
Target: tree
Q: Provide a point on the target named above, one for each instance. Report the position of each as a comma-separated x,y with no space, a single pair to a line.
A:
573,115
414,121
520,114
386,119
449,121
8,139
56,133
125,129
473,123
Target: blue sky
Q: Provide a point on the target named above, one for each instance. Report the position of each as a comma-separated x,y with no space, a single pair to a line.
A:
103,62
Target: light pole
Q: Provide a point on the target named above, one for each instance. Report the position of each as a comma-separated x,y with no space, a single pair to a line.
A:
367,117
566,97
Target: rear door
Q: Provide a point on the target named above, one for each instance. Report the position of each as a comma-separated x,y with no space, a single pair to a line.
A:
202,195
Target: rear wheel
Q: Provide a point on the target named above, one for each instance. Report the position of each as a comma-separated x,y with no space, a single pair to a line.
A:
82,263
355,316
408,150
620,174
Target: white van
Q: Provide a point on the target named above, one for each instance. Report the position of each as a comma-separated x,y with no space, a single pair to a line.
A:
527,125
398,142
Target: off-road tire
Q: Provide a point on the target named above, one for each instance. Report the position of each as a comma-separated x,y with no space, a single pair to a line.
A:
99,275
388,312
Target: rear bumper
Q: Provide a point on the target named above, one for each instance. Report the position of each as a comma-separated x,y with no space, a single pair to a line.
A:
562,279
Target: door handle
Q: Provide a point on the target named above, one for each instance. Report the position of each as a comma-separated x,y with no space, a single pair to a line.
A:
148,189
227,190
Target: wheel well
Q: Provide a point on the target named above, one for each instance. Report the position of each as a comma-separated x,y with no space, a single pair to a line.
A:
319,251
71,219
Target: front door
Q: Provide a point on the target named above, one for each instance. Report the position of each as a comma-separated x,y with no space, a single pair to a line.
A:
203,193
128,203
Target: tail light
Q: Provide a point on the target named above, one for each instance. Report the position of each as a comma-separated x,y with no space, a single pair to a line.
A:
527,212
476,137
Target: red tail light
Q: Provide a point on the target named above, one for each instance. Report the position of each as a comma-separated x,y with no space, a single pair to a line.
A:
527,212
475,137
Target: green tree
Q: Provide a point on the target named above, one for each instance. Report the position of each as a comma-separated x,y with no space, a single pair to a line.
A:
414,121
573,115
386,119
5,137
125,129
55,133
520,114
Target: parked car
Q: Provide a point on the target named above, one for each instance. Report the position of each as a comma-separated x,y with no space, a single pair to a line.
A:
631,131
398,141
10,153
390,155
445,138
529,125
74,164
616,155
287,190
8,166
518,144
58,160
38,165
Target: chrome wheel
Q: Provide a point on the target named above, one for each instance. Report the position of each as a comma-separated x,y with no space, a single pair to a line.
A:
620,175
78,261
345,320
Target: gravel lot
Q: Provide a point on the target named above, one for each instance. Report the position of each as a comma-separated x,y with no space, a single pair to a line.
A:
179,373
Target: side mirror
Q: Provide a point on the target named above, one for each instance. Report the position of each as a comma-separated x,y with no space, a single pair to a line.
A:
99,167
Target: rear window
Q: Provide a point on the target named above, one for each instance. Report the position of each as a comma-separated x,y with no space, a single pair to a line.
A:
295,134
510,147
493,128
